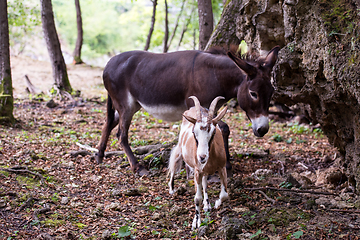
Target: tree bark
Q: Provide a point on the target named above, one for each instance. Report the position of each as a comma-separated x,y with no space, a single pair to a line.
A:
318,66
166,37
205,22
61,80
79,39
152,26
6,93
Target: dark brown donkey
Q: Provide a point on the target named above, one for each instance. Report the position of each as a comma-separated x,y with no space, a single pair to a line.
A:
162,84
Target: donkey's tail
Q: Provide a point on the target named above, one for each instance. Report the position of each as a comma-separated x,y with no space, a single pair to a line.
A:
112,116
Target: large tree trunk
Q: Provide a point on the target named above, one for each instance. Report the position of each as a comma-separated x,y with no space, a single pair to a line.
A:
166,36
79,39
6,93
61,80
318,66
148,40
206,24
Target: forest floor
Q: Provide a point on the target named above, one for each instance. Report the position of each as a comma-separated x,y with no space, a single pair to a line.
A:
285,185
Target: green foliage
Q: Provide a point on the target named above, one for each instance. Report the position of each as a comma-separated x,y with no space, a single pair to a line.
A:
24,19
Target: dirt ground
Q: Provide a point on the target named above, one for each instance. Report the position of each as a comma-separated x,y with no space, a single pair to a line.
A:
285,185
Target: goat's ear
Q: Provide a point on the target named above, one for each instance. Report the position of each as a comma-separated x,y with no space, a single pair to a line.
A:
190,119
220,115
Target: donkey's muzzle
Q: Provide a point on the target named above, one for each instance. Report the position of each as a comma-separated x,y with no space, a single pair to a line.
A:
260,126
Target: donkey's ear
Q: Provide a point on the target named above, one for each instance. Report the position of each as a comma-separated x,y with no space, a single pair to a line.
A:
220,115
190,119
250,70
271,58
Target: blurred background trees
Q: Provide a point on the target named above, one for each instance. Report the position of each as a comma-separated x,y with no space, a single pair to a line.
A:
109,27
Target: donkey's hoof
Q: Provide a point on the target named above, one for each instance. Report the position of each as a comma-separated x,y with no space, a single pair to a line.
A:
98,158
141,171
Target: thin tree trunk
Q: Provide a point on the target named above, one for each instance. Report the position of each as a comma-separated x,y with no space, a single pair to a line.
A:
205,22
177,23
79,39
185,27
152,26
61,80
6,93
166,37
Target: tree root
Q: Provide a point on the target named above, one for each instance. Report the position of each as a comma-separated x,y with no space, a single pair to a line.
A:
21,170
40,211
290,190
26,204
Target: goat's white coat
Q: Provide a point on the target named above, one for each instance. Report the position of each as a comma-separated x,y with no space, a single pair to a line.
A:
202,160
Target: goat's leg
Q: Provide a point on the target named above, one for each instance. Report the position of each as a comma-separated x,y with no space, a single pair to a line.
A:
174,163
225,130
198,182
112,119
206,202
223,193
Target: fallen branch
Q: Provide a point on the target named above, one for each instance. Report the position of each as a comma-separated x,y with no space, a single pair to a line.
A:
290,190
22,169
139,150
345,210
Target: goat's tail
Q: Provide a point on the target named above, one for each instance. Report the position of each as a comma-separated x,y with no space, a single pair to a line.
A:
175,162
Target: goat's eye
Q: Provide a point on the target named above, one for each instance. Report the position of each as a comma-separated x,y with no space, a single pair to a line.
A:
254,95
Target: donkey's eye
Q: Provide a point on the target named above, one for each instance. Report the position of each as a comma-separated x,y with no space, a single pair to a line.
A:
254,95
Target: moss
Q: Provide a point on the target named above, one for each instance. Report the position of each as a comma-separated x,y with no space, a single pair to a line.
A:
29,182
51,223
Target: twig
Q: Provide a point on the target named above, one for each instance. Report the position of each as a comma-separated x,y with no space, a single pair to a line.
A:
267,198
290,190
39,211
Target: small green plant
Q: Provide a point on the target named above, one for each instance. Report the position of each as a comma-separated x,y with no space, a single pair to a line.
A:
277,137
124,231
256,234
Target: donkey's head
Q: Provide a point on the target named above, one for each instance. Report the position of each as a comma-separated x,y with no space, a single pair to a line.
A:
254,93
204,128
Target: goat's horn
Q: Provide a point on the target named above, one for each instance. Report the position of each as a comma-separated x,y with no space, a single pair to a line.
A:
213,106
197,107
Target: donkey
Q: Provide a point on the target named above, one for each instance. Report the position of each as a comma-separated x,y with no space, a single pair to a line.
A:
202,148
162,84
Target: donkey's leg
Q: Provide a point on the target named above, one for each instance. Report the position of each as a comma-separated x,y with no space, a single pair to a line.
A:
112,119
126,113
206,202
225,130
223,193
198,182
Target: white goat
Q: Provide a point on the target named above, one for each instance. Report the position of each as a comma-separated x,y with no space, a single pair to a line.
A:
201,146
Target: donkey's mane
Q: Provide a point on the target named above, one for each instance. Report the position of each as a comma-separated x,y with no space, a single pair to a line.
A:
250,56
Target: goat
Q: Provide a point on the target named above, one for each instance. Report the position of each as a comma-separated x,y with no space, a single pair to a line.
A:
201,146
